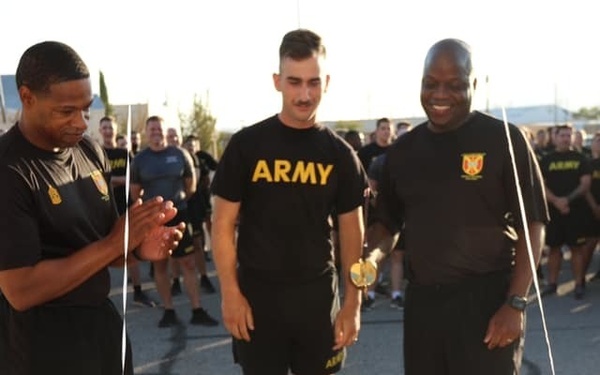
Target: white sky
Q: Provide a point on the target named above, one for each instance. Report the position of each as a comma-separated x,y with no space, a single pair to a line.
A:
535,52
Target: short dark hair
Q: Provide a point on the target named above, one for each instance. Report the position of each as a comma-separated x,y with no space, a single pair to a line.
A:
154,118
564,126
191,137
48,63
107,118
120,136
381,121
301,44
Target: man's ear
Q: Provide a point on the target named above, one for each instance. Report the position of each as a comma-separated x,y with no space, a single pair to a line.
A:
277,81
327,78
27,97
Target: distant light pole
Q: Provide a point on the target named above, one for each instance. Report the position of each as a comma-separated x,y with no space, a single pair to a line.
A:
487,94
2,104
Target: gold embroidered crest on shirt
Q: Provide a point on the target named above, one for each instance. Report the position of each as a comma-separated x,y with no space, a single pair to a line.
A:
54,195
472,165
100,182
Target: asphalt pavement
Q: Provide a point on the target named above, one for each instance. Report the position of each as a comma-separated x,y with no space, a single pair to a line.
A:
573,329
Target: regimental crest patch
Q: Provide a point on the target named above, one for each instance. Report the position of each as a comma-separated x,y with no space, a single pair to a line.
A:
54,196
100,182
472,165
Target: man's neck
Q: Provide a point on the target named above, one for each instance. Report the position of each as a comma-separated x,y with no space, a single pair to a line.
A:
109,144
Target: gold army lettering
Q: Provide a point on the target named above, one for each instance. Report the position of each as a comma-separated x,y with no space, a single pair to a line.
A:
286,171
564,165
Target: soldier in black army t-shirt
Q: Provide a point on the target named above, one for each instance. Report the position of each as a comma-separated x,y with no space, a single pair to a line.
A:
60,230
283,178
450,182
567,179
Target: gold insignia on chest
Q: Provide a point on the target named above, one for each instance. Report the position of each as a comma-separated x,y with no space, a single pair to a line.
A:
472,165
100,182
54,195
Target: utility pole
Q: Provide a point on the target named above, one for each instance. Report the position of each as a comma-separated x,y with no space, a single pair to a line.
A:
487,94
2,103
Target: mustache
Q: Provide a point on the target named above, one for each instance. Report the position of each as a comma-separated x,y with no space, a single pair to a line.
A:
304,102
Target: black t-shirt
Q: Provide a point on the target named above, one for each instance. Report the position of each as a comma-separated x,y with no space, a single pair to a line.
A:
119,158
369,152
595,171
207,163
288,181
562,172
455,194
52,205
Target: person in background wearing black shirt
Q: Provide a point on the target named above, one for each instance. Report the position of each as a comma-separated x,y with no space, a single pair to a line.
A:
567,180
382,140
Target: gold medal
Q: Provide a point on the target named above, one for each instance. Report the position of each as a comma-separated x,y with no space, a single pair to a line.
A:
363,273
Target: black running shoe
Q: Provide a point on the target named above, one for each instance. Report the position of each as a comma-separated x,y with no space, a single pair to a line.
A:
169,319
201,317
140,298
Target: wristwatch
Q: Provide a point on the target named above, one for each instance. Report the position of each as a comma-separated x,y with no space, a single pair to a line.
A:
517,302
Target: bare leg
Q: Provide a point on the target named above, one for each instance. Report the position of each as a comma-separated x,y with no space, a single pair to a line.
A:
554,261
163,286
190,279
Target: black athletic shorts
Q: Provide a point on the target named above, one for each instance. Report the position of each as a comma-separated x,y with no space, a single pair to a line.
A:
186,244
444,328
567,229
196,214
65,340
294,327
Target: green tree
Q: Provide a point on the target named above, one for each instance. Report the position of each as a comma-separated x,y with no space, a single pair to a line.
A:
590,113
201,123
108,110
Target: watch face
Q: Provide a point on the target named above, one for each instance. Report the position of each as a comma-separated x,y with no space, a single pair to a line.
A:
518,303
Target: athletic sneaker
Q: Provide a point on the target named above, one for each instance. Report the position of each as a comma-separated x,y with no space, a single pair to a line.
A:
579,291
548,290
596,276
397,303
201,317
367,303
176,287
169,319
140,298
206,286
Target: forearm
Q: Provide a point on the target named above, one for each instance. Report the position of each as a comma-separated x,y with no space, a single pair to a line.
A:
550,196
351,233
580,190
380,242
225,256
522,273
189,187
28,287
591,200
